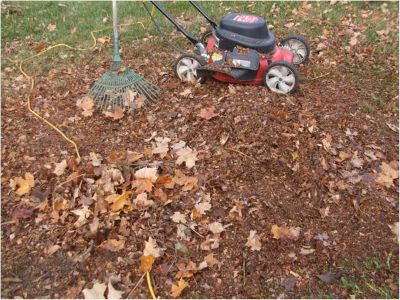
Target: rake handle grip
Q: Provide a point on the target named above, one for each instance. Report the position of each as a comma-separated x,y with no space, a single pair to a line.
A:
117,56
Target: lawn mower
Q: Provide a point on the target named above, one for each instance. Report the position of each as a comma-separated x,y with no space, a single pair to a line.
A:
241,49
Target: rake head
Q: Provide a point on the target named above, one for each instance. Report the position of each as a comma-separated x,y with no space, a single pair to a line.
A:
126,90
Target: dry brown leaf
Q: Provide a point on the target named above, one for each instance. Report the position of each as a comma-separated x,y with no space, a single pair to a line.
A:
166,180
60,168
87,105
96,292
52,249
188,182
132,156
140,101
208,113
147,173
117,114
113,245
186,92
141,201
186,270
210,243
118,201
387,175
51,27
24,184
188,156
178,217
104,39
253,241
176,290
285,233
113,293
83,213
142,186
151,248
146,263
160,194
203,207
162,147
216,227
395,230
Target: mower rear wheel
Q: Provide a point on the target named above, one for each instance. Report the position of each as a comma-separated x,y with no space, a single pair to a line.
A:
281,77
186,68
299,46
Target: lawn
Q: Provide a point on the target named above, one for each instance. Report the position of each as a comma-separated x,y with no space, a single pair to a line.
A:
290,196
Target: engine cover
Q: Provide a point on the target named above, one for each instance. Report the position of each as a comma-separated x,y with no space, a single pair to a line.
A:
247,30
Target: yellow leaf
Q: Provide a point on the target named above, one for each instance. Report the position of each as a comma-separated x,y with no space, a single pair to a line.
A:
176,290
146,263
25,185
118,201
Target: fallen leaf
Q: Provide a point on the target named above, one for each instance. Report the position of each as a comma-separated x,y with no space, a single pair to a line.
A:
160,194
132,156
357,162
329,277
113,245
117,114
96,159
188,156
212,261
104,39
216,227
60,168
178,145
141,201
176,290
203,207
51,27
178,217
387,175
146,263
306,251
285,233
96,292
210,243
82,213
151,248
188,182
186,92
145,178
52,249
162,147
147,173
118,201
253,241
22,211
140,101
208,113
87,105
113,293
395,230
24,184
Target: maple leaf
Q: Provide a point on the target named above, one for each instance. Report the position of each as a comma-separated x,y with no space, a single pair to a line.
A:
146,262
51,27
147,173
176,290
208,113
209,261
142,186
145,178
141,201
60,168
96,292
188,182
210,243
117,114
151,248
161,147
216,227
24,184
387,175
253,241
113,245
188,156
285,233
178,217
118,201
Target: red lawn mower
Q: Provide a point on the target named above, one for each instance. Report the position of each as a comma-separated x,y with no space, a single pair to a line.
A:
241,49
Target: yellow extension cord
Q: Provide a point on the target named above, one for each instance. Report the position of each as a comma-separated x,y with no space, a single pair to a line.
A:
29,105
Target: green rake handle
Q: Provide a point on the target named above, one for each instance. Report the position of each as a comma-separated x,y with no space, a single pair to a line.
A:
117,56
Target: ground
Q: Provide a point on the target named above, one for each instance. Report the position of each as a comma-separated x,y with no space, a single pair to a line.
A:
314,174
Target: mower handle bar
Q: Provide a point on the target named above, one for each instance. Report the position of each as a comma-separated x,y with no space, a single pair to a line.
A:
197,6
178,26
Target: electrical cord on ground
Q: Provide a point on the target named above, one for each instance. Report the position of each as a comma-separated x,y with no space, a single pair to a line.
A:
149,285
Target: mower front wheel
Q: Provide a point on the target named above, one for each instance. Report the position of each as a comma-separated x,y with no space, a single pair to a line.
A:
299,46
186,68
281,77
